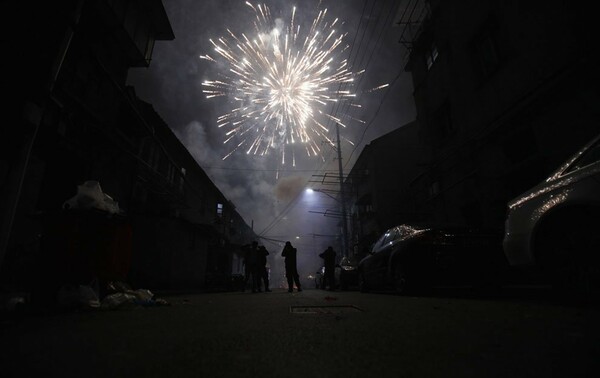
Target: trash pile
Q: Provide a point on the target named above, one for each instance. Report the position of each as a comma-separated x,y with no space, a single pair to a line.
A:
122,294
119,295
89,195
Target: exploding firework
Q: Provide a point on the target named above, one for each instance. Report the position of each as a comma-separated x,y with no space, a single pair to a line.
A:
281,81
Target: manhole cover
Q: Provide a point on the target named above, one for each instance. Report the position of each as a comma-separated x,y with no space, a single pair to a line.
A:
339,309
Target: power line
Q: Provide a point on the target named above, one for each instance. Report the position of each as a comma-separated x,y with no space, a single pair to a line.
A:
376,49
375,115
405,13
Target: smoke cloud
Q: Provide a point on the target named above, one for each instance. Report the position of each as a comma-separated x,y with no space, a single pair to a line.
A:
264,192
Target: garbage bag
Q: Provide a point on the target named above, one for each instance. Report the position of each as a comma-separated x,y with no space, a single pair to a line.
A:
141,294
161,302
117,286
89,195
116,300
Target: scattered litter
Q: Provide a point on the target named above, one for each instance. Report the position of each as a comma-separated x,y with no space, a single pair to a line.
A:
116,300
127,297
161,302
328,310
117,287
13,301
142,295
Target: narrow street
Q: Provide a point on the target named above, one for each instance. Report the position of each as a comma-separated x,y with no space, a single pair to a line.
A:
280,334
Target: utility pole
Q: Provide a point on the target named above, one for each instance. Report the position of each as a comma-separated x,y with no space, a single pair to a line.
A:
342,193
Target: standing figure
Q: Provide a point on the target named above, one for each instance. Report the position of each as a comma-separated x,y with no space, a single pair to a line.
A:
262,273
329,260
291,271
250,264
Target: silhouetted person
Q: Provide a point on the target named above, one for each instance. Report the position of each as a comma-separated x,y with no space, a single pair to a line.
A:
250,266
328,257
291,271
261,268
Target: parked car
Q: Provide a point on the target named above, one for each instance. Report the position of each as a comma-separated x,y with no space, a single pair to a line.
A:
411,256
555,226
346,274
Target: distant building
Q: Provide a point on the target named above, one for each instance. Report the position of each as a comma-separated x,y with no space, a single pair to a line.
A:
173,192
379,192
73,120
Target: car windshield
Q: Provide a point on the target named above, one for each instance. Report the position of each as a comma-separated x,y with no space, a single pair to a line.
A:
587,155
590,156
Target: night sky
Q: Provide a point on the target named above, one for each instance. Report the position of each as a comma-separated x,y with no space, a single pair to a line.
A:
278,207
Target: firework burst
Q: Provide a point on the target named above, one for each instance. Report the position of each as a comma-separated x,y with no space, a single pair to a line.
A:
281,80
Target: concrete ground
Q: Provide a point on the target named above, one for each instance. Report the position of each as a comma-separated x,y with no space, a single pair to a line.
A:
280,334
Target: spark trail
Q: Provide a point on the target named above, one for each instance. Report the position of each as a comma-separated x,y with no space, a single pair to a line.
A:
281,81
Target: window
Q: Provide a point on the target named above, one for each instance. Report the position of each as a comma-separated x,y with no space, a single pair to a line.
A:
431,56
171,173
379,243
149,48
393,236
434,189
385,240
182,179
149,153
220,210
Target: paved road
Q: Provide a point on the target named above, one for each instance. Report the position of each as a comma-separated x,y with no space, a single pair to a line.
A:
280,334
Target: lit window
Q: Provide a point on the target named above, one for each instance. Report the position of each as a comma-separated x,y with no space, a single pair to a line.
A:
220,209
432,55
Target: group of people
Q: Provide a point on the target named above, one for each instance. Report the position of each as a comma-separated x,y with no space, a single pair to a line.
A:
255,264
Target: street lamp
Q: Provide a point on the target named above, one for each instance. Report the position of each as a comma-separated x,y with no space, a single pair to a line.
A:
324,191
343,216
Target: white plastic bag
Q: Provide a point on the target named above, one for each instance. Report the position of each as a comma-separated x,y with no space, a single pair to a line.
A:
89,195
143,295
116,300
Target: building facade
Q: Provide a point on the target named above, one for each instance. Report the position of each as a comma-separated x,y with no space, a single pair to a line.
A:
71,120
379,191
504,92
